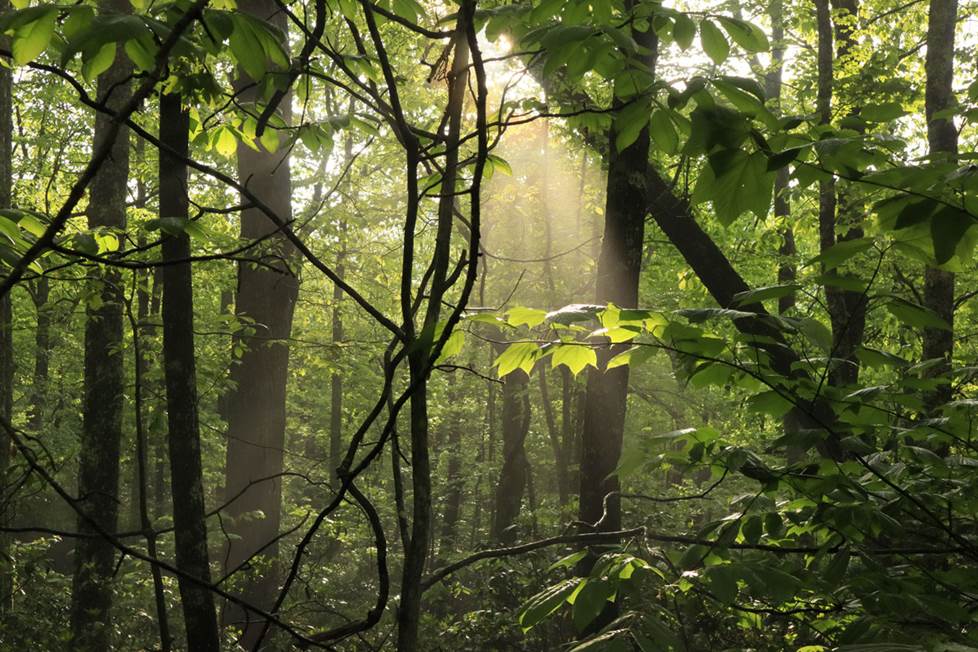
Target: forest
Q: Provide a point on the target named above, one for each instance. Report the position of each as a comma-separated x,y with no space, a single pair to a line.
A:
477,325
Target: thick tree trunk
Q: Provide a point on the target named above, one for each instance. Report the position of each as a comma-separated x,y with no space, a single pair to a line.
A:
512,476
98,466
256,429
186,474
6,325
618,275
942,137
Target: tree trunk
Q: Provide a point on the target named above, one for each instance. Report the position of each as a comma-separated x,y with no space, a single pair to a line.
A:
847,308
186,475
42,345
618,275
942,137
336,381
416,555
787,270
6,325
454,480
512,475
98,466
560,459
256,427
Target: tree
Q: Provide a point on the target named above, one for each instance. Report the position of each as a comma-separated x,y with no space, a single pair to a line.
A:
190,528
942,138
266,295
101,437
617,283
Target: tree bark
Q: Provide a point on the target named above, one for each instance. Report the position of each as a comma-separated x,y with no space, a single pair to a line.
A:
6,325
619,264
787,270
416,555
336,380
454,480
512,475
560,459
847,308
98,466
942,137
42,345
267,294
186,474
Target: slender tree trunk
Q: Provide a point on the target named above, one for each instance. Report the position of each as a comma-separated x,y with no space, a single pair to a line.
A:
336,380
143,520
569,431
512,476
156,430
618,276
454,480
942,137
560,459
186,474
416,555
787,270
42,345
256,428
6,326
98,466
847,308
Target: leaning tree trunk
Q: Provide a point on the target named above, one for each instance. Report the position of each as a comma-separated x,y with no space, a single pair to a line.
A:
256,426
619,263
186,475
6,325
942,137
98,466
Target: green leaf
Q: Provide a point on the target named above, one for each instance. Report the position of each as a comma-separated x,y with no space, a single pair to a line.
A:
753,529
740,183
590,602
816,332
453,345
95,65
723,582
916,316
947,227
519,355
574,356
630,122
519,316
770,402
499,163
663,132
714,43
840,252
683,31
746,35
546,602
759,295
32,38
882,112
